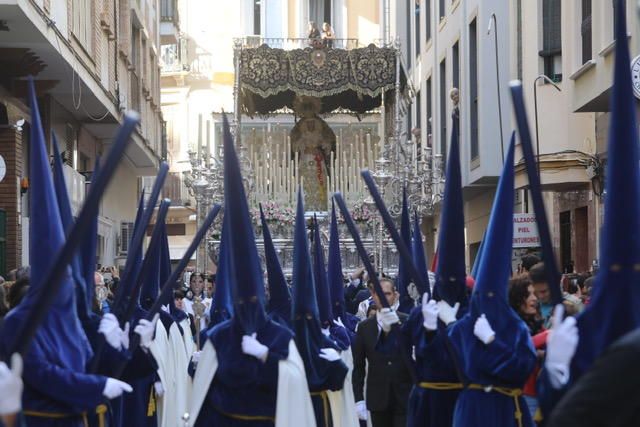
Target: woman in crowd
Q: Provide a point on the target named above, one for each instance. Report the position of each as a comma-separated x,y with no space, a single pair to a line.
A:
327,35
524,302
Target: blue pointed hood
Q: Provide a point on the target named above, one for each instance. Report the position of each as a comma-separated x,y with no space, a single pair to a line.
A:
451,271
615,300
476,262
306,323
152,269
419,257
279,295
88,251
404,277
245,273
222,302
320,279
165,272
66,216
334,268
305,303
134,257
490,291
66,344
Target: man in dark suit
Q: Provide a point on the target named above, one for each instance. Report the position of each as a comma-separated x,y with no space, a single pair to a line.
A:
388,376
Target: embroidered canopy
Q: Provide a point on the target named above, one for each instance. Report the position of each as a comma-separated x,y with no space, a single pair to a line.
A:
270,79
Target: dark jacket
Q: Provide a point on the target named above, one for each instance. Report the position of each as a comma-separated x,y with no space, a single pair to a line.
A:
388,378
608,394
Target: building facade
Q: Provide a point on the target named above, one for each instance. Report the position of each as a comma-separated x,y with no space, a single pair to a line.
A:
462,44
91,60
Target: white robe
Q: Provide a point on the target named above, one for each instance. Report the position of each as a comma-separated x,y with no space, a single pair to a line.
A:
342,402
293,404
170,354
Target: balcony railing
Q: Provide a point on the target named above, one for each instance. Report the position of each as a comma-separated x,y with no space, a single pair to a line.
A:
169,11
301,43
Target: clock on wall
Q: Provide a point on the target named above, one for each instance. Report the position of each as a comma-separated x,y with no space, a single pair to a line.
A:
3,168
635,76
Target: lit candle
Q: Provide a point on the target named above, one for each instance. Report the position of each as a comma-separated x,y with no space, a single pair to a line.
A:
199,135
369,152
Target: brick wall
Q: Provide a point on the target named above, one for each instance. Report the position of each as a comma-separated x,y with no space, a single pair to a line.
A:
11,151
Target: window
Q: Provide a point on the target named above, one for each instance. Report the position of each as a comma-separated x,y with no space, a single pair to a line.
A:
441,9
429,112
256,17
320,12
416,21
552,39
456,66
473,89
82,23
443,109
585,31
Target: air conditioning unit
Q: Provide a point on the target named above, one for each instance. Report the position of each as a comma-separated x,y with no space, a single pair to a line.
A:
126,234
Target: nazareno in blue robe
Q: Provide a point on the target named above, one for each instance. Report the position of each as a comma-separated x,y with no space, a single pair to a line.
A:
244,390
506,362
139,408
428,407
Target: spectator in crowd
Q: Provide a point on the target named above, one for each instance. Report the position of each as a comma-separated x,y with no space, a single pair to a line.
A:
528,261
314,32
586,290
101,294
24,271
17,292
178,299
3,303
523,300
377,357
541,287
197,295
328,36
356,284
572,298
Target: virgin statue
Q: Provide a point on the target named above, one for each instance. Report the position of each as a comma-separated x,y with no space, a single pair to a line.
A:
313,140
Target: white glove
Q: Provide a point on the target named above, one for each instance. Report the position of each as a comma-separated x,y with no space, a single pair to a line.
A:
157,386
561,347
387,318
329,354
361,410
252,347
11,386
110,328
146,330
447,313
325,332
195,357
114,388
482,330
125,336
338,322
429,313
